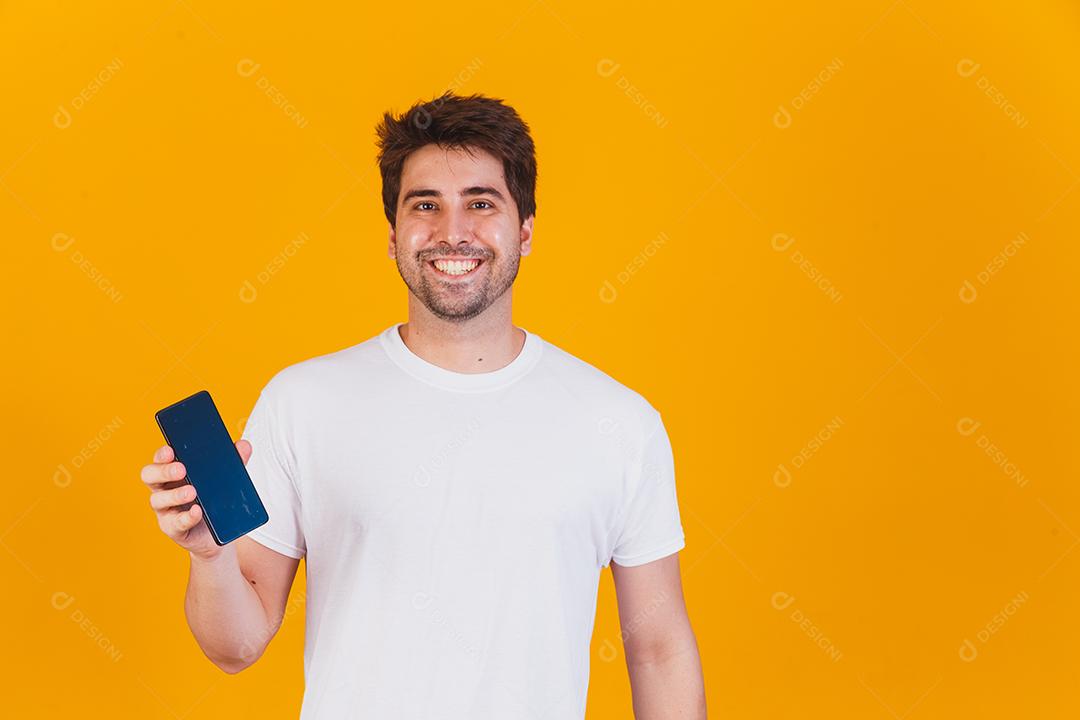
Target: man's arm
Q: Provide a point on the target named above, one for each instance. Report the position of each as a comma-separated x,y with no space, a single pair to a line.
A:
661,650
236,593
236,601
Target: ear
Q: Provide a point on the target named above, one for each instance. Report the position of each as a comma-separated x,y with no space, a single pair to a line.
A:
526,234
392,248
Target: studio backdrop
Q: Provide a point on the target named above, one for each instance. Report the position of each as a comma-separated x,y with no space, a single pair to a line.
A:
835,246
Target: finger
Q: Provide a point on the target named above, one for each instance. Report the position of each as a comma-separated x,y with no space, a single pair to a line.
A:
244,448
153,474
188,519
167,499
159,473
163,454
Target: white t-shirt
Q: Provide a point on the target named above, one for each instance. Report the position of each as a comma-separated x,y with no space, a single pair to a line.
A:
455,524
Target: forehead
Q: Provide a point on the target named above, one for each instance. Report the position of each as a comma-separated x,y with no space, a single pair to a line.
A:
435,166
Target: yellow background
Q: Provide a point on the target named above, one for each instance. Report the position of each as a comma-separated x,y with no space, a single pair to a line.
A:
864,583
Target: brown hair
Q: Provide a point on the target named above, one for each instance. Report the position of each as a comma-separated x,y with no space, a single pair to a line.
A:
457,122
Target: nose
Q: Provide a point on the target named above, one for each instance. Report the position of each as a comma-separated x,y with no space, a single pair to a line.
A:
456,228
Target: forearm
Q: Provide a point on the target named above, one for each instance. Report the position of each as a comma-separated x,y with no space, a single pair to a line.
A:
225,613
668,686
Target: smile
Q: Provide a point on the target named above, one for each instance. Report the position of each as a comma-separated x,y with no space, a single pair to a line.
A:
455,267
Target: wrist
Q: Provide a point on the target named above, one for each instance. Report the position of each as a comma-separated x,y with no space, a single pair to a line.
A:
217,556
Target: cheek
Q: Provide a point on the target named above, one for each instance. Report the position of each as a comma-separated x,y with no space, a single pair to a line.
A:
501,235
412,236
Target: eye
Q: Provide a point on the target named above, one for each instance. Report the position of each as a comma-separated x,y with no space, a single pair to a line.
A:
423,203
489,205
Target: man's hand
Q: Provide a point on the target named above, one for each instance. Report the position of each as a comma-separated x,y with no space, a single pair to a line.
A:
173,499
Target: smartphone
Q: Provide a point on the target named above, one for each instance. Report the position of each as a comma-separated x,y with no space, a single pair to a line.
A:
194,429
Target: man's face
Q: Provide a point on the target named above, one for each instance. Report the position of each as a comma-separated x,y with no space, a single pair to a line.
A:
455,205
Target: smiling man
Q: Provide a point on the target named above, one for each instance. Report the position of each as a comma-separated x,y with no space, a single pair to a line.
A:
456,483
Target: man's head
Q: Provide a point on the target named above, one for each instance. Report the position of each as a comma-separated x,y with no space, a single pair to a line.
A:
459,182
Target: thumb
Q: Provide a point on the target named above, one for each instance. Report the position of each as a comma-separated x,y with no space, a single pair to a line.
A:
244,448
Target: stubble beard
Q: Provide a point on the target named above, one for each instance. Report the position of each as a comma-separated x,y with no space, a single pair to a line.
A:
458,303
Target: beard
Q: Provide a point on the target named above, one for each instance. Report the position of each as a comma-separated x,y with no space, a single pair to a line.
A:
459,301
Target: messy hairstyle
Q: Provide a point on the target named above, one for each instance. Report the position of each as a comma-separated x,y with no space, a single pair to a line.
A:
459,122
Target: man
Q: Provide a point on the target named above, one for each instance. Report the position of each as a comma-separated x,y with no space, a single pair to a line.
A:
456,483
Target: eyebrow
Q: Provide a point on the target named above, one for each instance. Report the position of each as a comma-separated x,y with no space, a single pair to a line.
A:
474,190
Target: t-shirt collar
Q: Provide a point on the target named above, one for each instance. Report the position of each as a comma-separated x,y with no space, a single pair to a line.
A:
440,377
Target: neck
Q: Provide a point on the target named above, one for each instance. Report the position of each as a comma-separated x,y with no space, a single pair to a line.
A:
482,344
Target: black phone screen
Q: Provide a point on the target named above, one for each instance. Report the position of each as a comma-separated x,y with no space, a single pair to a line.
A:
200,440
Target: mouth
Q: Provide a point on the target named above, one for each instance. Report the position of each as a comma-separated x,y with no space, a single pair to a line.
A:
454,269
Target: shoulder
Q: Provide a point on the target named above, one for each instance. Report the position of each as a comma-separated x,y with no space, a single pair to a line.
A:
613,403
326,374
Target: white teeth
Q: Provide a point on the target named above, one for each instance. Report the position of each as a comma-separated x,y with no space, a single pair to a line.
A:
456,267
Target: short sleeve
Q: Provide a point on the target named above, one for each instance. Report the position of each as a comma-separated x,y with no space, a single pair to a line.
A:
650,526
275,479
